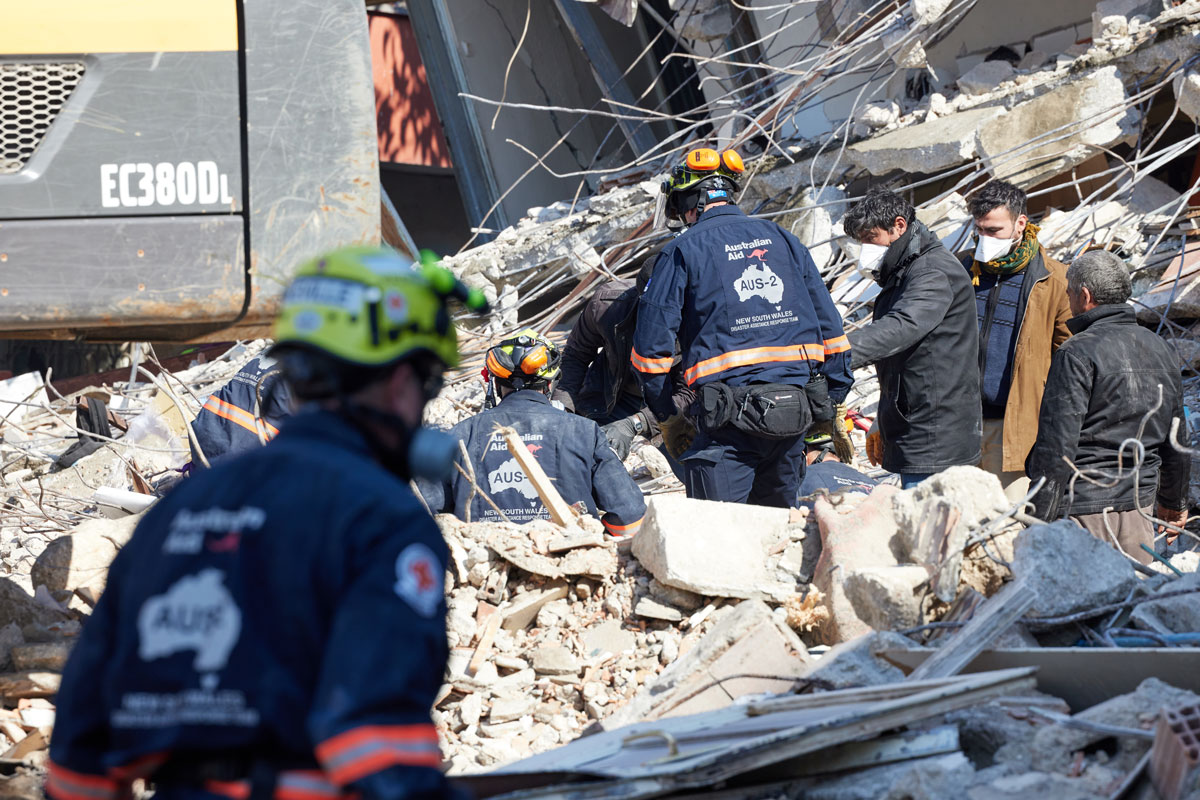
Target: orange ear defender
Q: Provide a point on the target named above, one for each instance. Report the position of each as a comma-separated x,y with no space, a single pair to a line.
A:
704,159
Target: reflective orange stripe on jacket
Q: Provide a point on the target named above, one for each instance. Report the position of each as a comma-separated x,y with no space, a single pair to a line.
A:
754,355
290,785
839,345
623,530
238,416
65,784
361,751
656,366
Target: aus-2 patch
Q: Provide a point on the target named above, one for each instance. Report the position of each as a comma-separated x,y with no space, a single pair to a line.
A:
419,579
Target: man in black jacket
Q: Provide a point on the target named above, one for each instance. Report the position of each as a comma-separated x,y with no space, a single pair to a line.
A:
1103,391
597,376
923,340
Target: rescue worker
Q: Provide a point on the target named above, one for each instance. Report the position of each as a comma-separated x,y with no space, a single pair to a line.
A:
597,378
761,340
827,471
244,413
275,628
572,450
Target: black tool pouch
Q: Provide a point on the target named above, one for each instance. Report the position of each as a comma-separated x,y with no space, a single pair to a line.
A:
769,410
819,404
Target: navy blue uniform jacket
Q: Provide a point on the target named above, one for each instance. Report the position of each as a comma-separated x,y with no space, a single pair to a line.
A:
572,450
747,305
287,603
227,424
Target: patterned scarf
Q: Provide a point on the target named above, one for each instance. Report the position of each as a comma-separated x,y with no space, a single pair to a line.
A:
1015,261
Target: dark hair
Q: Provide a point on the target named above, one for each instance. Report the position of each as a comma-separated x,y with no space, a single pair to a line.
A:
995,194
879,209
1104,275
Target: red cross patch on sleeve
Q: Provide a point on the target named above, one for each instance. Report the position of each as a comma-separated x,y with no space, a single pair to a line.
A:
419,579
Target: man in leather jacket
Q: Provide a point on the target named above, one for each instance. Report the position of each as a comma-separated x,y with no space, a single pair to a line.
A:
923,340
1102,391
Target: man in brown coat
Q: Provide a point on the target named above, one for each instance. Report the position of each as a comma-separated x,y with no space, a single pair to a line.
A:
1021,303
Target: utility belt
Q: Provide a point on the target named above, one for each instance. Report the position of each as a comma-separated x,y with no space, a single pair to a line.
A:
769,410
240,778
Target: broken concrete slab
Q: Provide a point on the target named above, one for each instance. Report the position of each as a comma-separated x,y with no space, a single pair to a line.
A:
1026,146
1187,92
518,551
49,656
1054,747
858,539
1070,569
608,637
554,660
1173,615
573,538
747,641
859,662
79,561
710,548
1177,293
924,148
511,707
887,598
524,608
1032,784
935,518
652,609
985,77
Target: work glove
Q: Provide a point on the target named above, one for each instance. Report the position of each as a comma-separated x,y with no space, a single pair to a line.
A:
875,444
678,433
620,435
843,447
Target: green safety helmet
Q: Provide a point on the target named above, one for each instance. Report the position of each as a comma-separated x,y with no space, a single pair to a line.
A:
372,307
527,359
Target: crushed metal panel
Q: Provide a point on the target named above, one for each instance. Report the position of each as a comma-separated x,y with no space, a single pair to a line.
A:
648,759
101,272
1083,676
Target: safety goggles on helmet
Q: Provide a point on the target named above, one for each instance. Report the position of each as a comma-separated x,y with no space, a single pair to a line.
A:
372,307
526,359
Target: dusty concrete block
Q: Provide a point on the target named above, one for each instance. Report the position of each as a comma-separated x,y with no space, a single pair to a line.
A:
1031,784
680,598
1173,615
925,148
20,609
608,637
931,778
80,560
525,607
510,707
554,660
887,598
975,496
985,77
715,549
748,640
1187,92
51,656
858,663
1070,569
859,539
1092,110
652,609
1054,746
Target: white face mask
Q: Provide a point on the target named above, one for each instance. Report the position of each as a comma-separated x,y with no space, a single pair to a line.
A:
870,256
989,248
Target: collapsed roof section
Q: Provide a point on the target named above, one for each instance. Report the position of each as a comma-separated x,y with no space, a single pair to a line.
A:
1091,109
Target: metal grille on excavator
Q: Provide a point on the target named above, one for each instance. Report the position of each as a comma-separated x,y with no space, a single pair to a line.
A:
31,95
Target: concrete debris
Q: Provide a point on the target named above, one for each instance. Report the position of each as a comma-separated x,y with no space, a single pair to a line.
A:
985,77
1070,569
1174,614
715,549
928,147
887,598
1026,145
859,662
